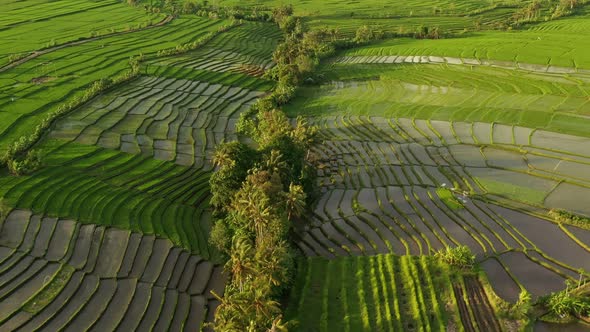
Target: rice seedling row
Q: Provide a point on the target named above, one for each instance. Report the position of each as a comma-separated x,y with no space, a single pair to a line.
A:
387,293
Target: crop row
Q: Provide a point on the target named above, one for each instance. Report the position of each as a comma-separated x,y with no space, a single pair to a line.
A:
377,293
59,274
106,187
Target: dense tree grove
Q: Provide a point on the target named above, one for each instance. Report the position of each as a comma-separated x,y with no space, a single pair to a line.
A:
260,190
258,194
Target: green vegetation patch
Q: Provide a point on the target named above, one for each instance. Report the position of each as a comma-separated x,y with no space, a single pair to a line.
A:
50,291
447,196
376,293
514,191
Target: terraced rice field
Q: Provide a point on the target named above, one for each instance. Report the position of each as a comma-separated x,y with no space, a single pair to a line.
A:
397,131
38,87
424,144
95,185
380,178
59,274
169,119
557,43
112,233
553,98
247,49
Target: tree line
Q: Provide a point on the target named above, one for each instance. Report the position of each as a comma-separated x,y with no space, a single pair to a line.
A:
261,190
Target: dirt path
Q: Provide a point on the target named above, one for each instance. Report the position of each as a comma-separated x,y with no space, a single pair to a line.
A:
463,309
459,61
36,54
483,312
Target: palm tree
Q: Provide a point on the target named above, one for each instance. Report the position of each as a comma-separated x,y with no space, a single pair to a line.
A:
253,205
261,304
275,162
240,263
272,257
278,325
295,201
222,157
229,315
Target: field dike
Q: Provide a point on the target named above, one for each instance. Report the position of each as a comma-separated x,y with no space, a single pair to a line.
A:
430,59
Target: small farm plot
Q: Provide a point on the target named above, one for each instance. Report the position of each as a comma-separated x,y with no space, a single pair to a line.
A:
60,274
169,119
386,293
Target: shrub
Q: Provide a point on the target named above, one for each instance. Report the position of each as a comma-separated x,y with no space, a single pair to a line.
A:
566,303
364,34
27,165
566,217
522,306
460,256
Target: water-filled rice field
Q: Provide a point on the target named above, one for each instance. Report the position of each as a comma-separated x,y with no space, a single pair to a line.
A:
59,274
380,177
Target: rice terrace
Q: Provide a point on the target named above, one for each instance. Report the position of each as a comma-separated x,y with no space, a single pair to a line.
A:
281,165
